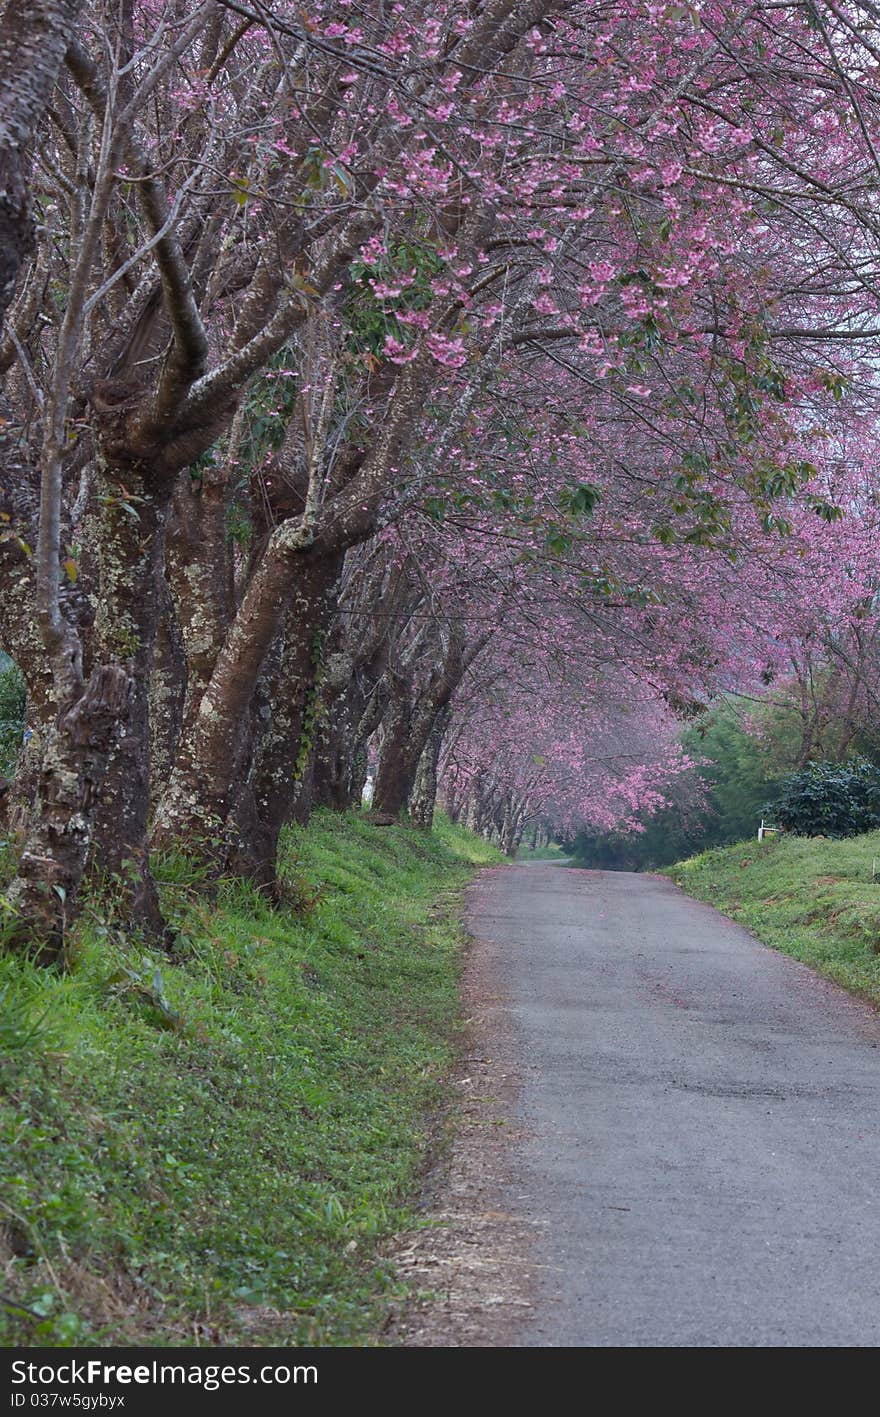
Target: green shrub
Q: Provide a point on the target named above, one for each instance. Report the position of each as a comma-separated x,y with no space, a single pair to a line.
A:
830,799
12,695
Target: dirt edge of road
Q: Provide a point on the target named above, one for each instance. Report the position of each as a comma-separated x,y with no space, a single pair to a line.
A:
467,1266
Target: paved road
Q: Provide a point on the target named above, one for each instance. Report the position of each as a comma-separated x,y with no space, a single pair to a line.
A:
701,1153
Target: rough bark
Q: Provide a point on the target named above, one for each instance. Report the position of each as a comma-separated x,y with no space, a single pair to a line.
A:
413,709
129,545
279,787
354,703
423,798
334,772
199,574
20,637
195,806
34,35
399,755
74,765
167,691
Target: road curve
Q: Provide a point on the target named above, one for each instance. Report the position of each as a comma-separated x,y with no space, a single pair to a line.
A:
700,1120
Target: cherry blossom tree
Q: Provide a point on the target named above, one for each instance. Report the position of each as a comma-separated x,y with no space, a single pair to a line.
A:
523,340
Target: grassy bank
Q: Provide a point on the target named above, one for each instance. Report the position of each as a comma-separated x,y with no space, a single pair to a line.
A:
214,1149
813,899
541,853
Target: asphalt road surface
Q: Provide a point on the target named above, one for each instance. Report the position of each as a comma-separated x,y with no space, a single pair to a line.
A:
700,1154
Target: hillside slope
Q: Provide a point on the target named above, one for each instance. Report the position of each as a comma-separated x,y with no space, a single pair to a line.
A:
809,897
213,1149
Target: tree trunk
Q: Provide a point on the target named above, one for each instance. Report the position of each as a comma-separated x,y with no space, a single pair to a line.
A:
198,568
196,804
406,732
334,768
34,35
130,553
510,830
352,709
167,691
74,765
20,638
397,759
423,798
280,780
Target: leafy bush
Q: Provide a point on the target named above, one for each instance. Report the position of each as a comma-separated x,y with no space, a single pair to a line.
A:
11,714
829,799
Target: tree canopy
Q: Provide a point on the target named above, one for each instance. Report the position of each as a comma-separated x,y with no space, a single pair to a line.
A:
466,394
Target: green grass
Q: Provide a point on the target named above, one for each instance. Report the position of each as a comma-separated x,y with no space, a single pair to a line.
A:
811,898
215,1149
541,853
465,844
